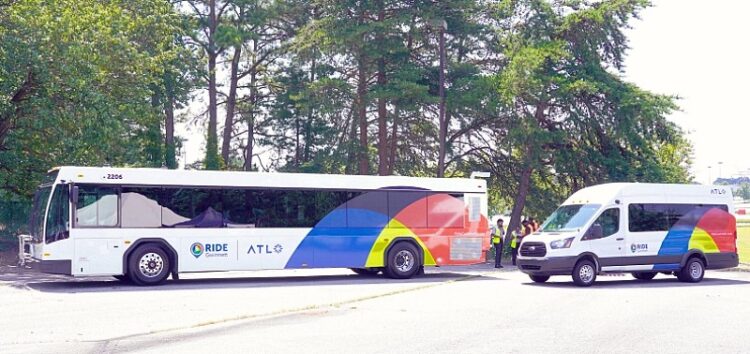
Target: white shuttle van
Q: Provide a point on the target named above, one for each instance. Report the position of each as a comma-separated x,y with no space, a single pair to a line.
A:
638,228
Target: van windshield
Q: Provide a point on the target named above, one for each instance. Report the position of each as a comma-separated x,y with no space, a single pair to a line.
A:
570,217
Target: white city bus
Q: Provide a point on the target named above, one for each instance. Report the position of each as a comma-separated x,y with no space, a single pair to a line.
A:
145,224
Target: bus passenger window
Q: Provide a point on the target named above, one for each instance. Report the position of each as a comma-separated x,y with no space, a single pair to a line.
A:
97,206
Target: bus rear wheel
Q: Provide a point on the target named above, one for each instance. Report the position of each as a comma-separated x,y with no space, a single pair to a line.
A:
403,261
148,265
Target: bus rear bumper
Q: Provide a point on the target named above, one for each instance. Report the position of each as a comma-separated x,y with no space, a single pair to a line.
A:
62,266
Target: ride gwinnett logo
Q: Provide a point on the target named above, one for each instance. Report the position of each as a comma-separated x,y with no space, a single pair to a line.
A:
196,249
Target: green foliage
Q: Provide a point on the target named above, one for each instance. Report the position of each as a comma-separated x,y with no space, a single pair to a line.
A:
743,191
76,82
534,90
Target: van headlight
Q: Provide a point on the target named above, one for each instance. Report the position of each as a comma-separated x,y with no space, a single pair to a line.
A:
564,243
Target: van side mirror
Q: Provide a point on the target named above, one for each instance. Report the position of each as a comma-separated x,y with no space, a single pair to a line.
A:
595,232
74,195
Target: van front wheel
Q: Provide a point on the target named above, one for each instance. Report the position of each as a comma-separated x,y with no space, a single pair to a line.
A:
584,273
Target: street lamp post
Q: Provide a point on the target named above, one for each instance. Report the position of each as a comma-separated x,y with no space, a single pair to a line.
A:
709,175
720,169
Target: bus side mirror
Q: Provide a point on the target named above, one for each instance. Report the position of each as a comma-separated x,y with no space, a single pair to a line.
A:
74,195
595,232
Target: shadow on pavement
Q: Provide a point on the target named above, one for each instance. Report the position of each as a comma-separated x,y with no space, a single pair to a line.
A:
635,283
67,285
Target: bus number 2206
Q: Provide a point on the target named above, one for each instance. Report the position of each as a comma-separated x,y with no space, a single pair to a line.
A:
113,176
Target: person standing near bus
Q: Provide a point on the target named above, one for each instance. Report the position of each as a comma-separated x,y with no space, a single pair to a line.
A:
534,225
497,242
514,243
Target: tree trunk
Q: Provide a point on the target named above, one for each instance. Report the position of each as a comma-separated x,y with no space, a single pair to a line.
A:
310,117
212,162
169,145
443,122
382,112
362,114
520,200
393,143
22,94
250,126
231,104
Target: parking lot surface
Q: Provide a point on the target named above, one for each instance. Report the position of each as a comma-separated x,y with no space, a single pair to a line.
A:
459,309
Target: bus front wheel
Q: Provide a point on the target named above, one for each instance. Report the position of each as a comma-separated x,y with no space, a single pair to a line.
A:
403,261
148,265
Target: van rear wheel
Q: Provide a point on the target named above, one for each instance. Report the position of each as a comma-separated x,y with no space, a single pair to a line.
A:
644,275
584,273
693,271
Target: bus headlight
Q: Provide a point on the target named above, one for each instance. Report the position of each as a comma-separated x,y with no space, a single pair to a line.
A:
564,243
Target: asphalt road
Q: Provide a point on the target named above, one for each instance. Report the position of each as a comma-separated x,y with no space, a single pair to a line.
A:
468,310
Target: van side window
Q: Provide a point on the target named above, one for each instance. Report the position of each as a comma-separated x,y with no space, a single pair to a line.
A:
661,217
609,221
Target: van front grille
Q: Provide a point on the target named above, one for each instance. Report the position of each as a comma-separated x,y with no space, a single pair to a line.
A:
533,249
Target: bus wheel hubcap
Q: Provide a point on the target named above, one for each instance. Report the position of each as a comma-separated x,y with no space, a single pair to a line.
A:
404,261
151,264
695,270
586,273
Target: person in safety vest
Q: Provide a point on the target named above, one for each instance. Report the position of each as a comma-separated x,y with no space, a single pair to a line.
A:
514,243
497,242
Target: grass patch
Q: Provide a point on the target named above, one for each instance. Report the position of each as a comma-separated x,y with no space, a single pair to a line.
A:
743,243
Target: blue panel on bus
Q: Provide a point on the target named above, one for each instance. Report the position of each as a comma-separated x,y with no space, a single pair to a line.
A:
336,218
335,246
349,251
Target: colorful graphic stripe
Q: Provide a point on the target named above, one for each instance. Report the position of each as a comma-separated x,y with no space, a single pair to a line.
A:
358,233
708,229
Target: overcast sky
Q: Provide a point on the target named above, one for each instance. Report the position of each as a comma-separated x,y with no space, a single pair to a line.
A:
698,50
694,49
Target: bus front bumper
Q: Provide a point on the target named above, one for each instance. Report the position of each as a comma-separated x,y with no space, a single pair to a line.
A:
547,265
62,266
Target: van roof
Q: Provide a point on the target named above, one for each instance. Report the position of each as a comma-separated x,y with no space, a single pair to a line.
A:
675,193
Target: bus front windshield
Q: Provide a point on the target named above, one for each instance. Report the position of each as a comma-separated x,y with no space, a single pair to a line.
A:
36,219
570,217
